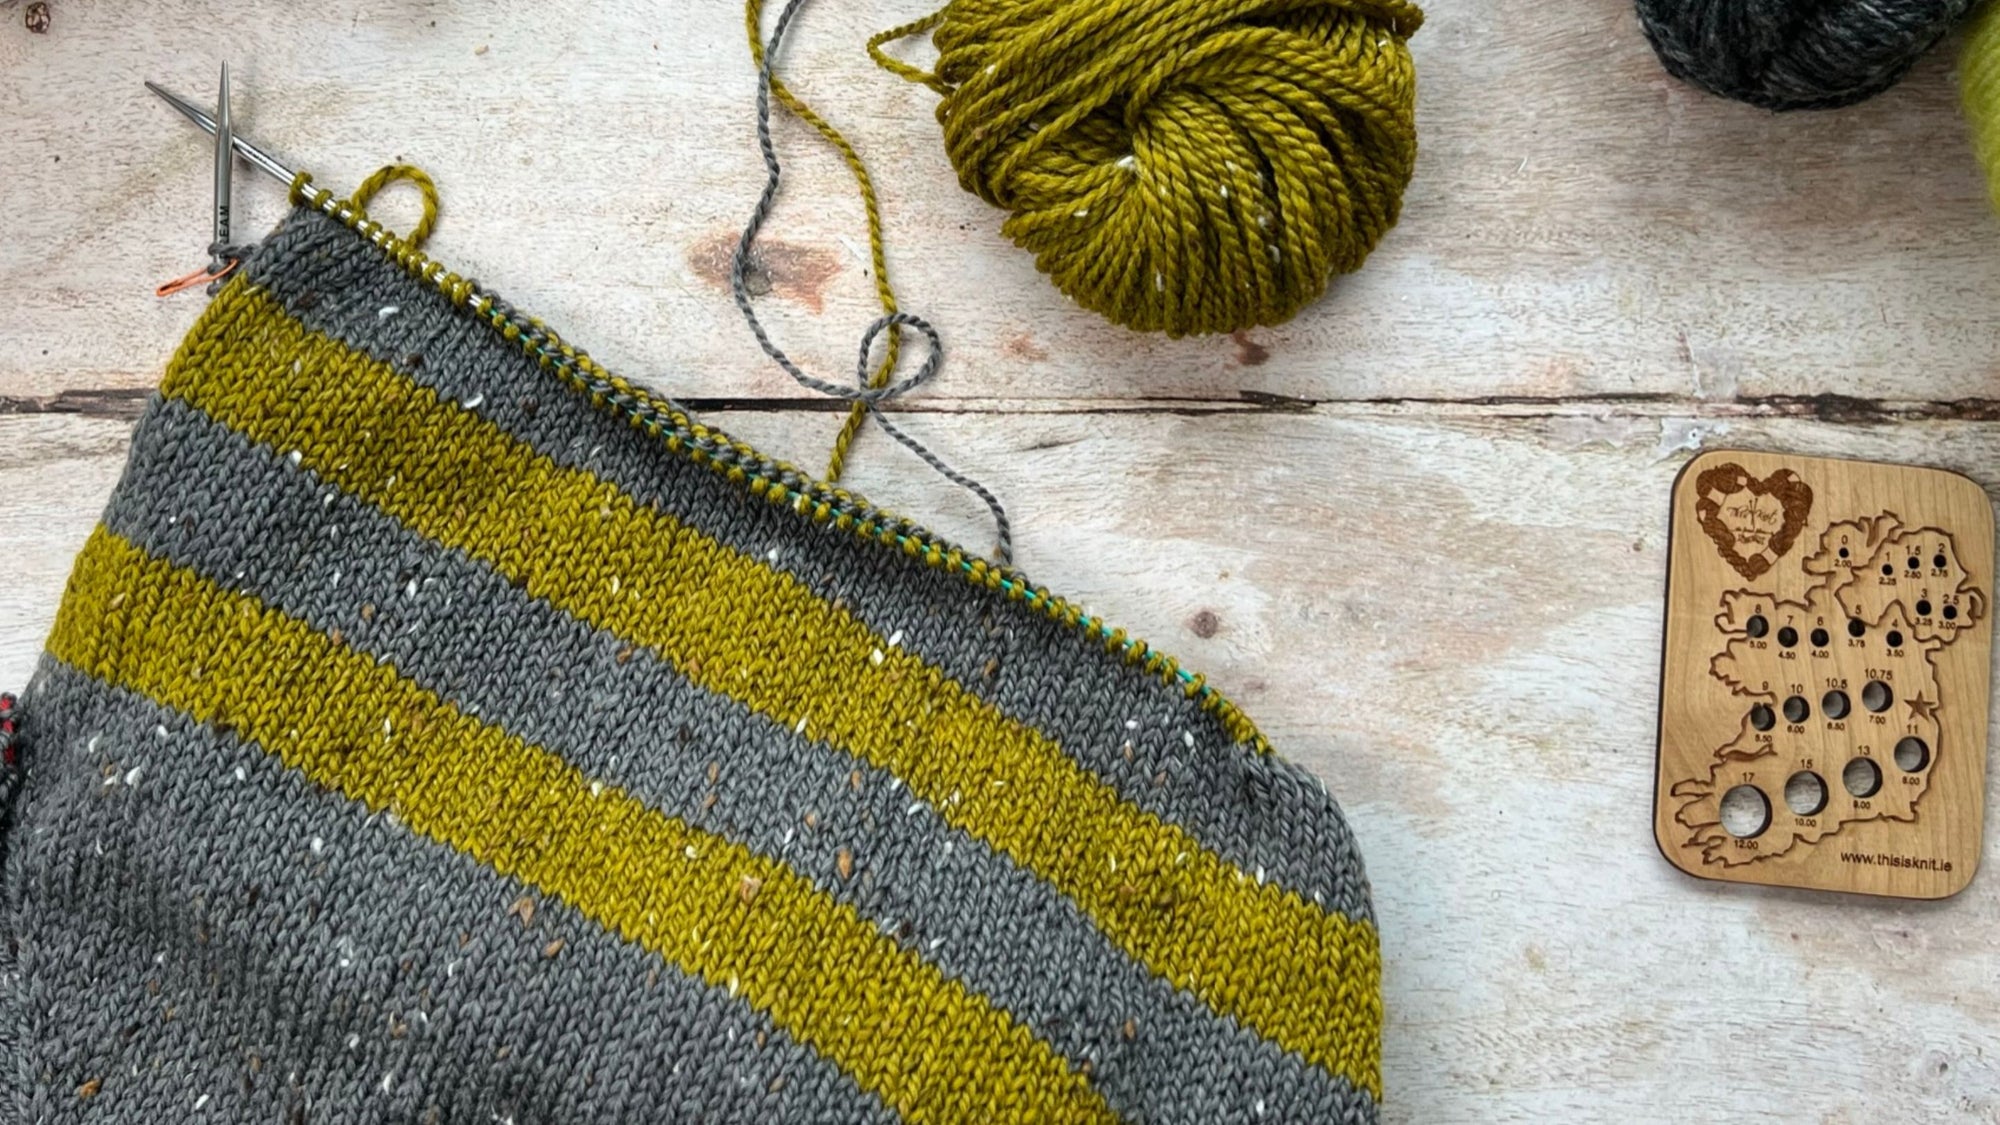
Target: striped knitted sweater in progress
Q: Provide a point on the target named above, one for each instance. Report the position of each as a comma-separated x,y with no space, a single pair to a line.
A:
437,729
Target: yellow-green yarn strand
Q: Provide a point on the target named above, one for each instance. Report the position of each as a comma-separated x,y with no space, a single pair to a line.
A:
885,293
1180,166
896,66
365,193
1979,87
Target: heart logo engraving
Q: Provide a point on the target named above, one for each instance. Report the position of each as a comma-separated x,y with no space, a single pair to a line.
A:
1753,522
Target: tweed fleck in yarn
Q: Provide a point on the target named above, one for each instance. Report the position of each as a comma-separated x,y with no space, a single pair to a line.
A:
1795,54
1181,166
437,729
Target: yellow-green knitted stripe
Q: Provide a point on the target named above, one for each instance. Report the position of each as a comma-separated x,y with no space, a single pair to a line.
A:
1302,977
668,424
720,912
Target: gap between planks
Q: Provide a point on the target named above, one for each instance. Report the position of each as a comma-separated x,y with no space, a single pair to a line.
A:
127,402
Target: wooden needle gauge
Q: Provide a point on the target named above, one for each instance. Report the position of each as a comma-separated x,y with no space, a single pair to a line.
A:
1827,669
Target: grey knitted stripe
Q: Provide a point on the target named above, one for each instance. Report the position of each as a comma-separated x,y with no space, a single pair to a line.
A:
16,1080
556,682
1251,809
294,932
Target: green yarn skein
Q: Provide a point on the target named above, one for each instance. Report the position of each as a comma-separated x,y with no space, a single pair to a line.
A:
1979,88
1180,166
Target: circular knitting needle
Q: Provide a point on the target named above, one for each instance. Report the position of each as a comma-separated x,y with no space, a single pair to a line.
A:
225,163
258,158
220,263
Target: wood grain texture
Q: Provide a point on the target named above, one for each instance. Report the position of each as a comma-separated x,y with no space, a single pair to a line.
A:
1420,533
1580,224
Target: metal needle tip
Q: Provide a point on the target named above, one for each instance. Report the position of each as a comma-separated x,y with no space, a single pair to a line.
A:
258,158
225,163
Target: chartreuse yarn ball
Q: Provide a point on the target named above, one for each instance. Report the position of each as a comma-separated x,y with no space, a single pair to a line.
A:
1181,166
1979,86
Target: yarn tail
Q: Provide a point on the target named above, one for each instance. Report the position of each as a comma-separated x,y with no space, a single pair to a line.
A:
857,414
876,387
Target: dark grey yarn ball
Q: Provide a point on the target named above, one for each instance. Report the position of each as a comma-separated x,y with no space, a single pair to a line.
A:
1795,54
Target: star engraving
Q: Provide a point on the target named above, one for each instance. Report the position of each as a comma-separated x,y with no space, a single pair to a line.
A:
1921,708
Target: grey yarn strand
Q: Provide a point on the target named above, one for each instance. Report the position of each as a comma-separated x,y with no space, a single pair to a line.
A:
869,397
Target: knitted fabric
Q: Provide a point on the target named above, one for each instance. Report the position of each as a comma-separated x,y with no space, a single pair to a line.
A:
437,729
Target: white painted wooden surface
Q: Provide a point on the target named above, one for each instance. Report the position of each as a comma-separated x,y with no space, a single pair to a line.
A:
1435,579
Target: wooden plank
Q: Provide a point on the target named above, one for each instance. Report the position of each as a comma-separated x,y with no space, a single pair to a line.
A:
1456,622
1581,225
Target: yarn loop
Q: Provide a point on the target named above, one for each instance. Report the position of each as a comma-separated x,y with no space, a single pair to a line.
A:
366,190
1181,166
